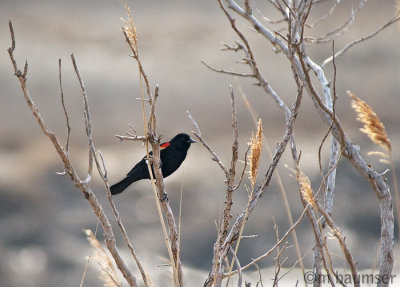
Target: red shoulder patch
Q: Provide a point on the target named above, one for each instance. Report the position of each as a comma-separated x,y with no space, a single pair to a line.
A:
165,145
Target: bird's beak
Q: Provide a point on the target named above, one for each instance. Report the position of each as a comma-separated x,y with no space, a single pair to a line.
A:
192,140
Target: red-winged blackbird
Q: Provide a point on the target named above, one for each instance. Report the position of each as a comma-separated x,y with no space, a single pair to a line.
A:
172,154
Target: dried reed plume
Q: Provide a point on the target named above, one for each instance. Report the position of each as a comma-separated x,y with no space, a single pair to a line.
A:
384,157
305,187
376,131
130,27
253,161
255,144
373,127
107,272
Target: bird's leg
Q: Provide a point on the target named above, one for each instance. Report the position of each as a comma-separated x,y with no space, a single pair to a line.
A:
164,197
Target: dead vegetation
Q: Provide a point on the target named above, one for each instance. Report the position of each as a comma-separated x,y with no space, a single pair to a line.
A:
309,78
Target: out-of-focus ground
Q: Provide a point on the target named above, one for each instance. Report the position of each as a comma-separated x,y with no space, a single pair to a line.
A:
42,215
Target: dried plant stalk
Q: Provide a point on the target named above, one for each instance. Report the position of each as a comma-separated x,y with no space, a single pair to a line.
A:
376,131
130,28
255,144
373,127
305,187
160,196
81,185
107,271
254,162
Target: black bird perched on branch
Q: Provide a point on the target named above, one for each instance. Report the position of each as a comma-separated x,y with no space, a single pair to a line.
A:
172,154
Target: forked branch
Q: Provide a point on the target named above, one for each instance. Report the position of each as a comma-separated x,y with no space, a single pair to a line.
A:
81,185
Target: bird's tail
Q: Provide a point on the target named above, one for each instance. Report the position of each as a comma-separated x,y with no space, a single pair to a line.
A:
122,185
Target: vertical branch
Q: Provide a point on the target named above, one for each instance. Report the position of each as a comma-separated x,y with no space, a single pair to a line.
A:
255,144
86,115
216,273
338,234
232,172
252,63
334,152
92,155
154,162
104,176
235,143
63,105
172,239
83,186
214,277
307,197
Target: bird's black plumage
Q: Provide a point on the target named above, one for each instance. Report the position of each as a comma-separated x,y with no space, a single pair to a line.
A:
172,154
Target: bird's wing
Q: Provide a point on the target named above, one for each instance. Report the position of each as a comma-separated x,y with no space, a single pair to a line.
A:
139,165
164,145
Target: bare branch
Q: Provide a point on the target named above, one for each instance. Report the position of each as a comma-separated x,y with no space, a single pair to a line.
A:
239,269
253,64
266,18
154,162
232,236
278,243
131,137
338,234
86,115
302,64
140,67
324,17
358,41
235,143
63,105
227,72
278,255
243,171
214,156
339,30
121,226
83,186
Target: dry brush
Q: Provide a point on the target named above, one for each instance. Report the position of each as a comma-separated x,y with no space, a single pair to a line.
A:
309,78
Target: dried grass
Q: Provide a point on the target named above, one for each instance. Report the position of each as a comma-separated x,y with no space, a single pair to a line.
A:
373,127
107,271
376,131
255,144
305,187
130,27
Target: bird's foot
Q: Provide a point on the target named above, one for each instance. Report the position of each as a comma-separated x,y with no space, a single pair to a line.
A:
164,197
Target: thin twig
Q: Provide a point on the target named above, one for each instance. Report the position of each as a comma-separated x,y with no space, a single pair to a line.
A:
360,40
154,163
278,255
86,115
104,176
272,249
92,156
239,269
324,17
340,30
243,170
227,72
132,138
83,186
214,156
63,105
351,151
235,229
338,234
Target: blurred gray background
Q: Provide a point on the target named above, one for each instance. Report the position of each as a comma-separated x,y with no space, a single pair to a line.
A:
42,215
